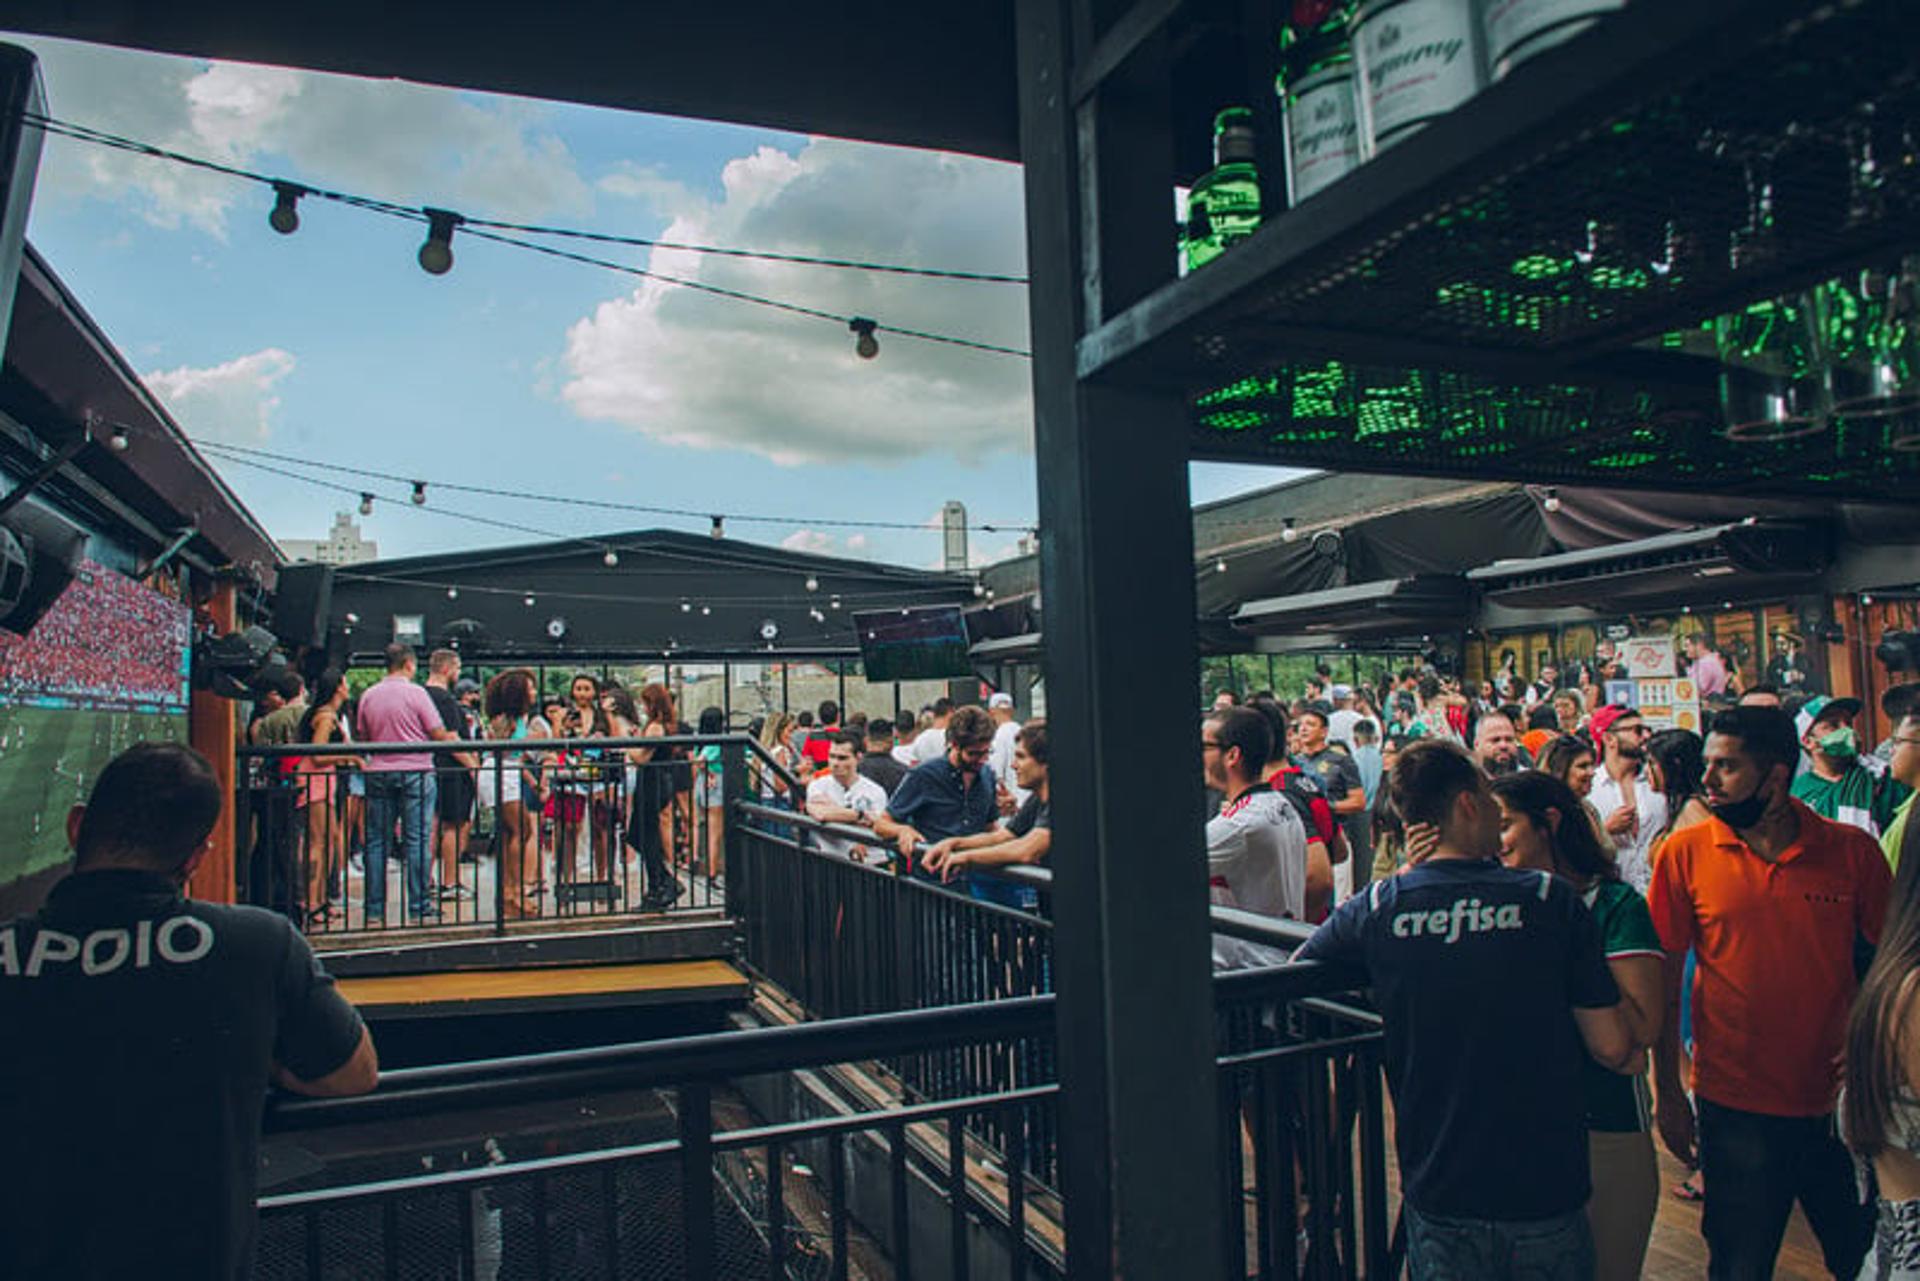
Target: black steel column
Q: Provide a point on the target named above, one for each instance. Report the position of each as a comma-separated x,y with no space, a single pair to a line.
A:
1139,1132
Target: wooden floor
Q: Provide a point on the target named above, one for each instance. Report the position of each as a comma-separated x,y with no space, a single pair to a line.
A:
451,992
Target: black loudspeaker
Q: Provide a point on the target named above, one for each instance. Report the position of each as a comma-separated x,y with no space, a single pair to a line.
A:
40,560
301,604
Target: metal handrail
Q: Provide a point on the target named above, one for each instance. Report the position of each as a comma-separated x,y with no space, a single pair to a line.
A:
1234,922
718,1056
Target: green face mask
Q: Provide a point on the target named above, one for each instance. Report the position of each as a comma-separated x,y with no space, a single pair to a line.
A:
1841,744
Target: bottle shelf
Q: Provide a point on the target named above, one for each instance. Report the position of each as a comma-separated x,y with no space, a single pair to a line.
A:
1520,258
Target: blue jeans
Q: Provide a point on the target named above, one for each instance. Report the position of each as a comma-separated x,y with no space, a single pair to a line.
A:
409,796
1447,1249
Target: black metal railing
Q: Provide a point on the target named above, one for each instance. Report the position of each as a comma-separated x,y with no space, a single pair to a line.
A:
489,832
1303,1177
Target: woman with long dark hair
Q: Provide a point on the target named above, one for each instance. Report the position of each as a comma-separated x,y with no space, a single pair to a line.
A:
1879,1104
1542,826
511,703
319,795
653,800
587,792
1571,759
707,789
1677,769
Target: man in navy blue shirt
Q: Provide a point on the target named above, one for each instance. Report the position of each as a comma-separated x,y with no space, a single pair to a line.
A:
951,795
1493,990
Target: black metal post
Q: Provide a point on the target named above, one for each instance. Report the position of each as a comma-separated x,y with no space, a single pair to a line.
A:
696,1179
1135,1023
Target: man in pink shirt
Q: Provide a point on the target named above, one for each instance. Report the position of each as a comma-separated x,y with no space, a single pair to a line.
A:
1708,673
399,784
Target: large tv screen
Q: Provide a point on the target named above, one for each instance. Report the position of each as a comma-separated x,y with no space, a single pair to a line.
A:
105,668
929,643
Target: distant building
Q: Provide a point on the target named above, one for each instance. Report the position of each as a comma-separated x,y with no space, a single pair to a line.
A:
342,545
953,524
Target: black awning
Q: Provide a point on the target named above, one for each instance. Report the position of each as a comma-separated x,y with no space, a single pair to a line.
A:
1684,567
1387,607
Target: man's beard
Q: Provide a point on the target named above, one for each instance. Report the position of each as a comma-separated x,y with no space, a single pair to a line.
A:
1497,765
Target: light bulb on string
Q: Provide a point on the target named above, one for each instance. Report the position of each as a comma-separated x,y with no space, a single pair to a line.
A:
366,504
528,600
419,493
865,345
611,559
1287,531
118,440
453,593
1552,504
813,584
706,611
436,252
834,603
1220,566
352,617
686,607
979,589
285,217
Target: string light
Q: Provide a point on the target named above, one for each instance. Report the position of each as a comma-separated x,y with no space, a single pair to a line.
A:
436,252
865,345
706,611
118,440
1220,566
834,603
352,617
686,607
285,217
366,504
528,602
1553,500
813,584
611,559
453,593
1287,531
248,455
419,493
979,589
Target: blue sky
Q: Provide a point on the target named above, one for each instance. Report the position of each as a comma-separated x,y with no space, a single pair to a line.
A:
529,373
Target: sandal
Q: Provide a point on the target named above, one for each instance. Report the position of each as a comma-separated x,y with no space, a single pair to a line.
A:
1687,1190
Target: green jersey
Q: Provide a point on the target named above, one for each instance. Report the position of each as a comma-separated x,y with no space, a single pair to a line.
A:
1618,1103
1859,798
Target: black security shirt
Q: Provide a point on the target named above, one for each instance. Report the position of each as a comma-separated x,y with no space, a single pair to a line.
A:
1476,969
139,1030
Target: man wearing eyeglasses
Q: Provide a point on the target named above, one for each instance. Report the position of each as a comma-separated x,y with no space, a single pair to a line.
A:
950,795
1632,809
1905,766
1256,845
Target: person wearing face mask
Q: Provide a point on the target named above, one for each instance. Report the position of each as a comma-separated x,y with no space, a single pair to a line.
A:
1840,783
1773,899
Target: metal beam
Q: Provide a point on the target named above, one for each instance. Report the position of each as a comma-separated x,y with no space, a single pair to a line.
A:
1135,1032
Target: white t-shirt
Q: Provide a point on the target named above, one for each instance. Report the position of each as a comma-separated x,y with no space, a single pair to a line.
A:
1633,850
903,752
931,745
863,795
1257,862
1340,726
1001,759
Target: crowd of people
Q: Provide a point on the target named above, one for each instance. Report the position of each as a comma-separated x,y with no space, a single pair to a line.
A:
1591,930
577,816
106,642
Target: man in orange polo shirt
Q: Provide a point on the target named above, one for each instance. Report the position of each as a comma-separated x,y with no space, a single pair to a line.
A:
1773,899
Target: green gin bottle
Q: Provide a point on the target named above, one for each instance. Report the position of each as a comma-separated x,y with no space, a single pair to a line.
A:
1224,205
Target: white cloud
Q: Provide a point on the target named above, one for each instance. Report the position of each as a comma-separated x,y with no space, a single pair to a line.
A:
809,540
689,369
407,143
233,402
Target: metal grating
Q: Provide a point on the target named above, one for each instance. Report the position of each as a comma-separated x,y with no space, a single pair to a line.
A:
1556,256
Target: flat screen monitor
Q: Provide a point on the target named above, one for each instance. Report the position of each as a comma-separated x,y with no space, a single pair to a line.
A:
928,643
105,668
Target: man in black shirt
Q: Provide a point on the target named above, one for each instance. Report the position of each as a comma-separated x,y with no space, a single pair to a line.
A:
878,761
1476,970
454,788
141,1032
1026,838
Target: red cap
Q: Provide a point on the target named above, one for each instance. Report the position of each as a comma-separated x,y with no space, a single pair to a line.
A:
1604,719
